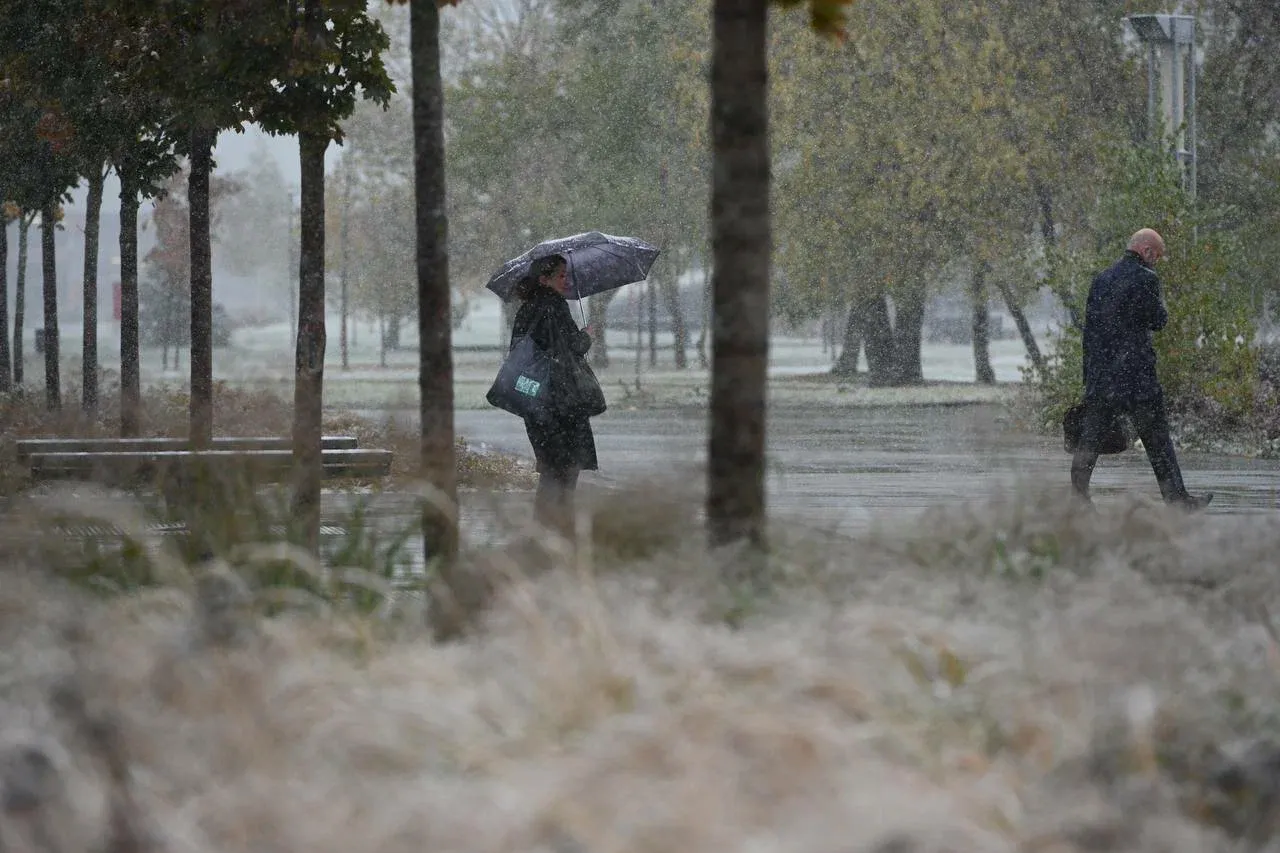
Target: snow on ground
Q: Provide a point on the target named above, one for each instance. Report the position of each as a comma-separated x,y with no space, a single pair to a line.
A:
265,353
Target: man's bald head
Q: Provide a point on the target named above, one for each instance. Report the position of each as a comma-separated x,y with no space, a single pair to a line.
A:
1148,245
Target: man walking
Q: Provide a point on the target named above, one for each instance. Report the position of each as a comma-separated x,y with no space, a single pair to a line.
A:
1124,308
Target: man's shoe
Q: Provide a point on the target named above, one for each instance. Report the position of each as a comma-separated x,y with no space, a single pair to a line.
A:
1194,503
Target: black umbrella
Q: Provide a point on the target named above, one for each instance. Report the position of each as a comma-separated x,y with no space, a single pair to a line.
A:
597,262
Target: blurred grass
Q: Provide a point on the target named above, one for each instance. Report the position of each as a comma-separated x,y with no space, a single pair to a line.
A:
1012,673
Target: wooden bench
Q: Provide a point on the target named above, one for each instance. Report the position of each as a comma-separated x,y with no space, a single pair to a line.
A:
25,448
102,531
125,468
193,484
189,477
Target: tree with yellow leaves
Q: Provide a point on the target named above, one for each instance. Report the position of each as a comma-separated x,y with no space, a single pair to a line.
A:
942,134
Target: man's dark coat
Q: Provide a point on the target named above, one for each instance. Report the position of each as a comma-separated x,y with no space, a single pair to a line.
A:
1124,308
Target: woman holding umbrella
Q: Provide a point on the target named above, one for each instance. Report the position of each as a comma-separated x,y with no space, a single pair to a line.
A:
543,278
563,443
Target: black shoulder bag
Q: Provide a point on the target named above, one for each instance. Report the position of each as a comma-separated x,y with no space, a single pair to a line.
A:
523,384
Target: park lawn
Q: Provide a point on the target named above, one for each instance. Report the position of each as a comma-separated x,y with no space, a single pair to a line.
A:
262,360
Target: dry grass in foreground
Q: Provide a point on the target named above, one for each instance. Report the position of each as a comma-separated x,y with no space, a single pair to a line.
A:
1022,675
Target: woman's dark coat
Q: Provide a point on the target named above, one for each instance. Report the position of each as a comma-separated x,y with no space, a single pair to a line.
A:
564,440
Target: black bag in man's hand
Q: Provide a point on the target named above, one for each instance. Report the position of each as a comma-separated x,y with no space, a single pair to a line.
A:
1114,439
523,384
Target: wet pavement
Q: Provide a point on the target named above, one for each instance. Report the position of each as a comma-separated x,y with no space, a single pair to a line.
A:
832,469
839,469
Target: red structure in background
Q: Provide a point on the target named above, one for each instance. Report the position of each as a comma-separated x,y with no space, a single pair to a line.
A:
115,301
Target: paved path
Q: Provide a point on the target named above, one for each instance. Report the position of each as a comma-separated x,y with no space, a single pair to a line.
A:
839,469
836,470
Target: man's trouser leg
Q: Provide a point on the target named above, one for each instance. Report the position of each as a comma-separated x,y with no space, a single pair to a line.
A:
1097,415
1152,423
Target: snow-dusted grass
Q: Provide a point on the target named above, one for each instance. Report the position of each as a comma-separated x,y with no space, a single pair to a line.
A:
1019,675
262,358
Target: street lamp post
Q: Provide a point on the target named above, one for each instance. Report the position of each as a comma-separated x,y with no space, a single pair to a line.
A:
1165,36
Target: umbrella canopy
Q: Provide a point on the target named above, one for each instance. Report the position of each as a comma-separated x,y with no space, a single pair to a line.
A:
597,262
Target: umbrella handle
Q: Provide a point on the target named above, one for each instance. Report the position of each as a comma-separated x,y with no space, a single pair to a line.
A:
574,279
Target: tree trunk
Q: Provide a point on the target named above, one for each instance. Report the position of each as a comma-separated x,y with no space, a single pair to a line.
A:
640,304
344,270
6,367
984,374
1049,234
435,349
671,295
20,300
847,364
89,356
393,331
49,270
706,315
652,317
908,329
1024,328
292,262
877,333
741,249
201,356
308,388
130,368
382,340
599,315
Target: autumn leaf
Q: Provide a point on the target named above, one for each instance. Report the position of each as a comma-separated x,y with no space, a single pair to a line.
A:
825,16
